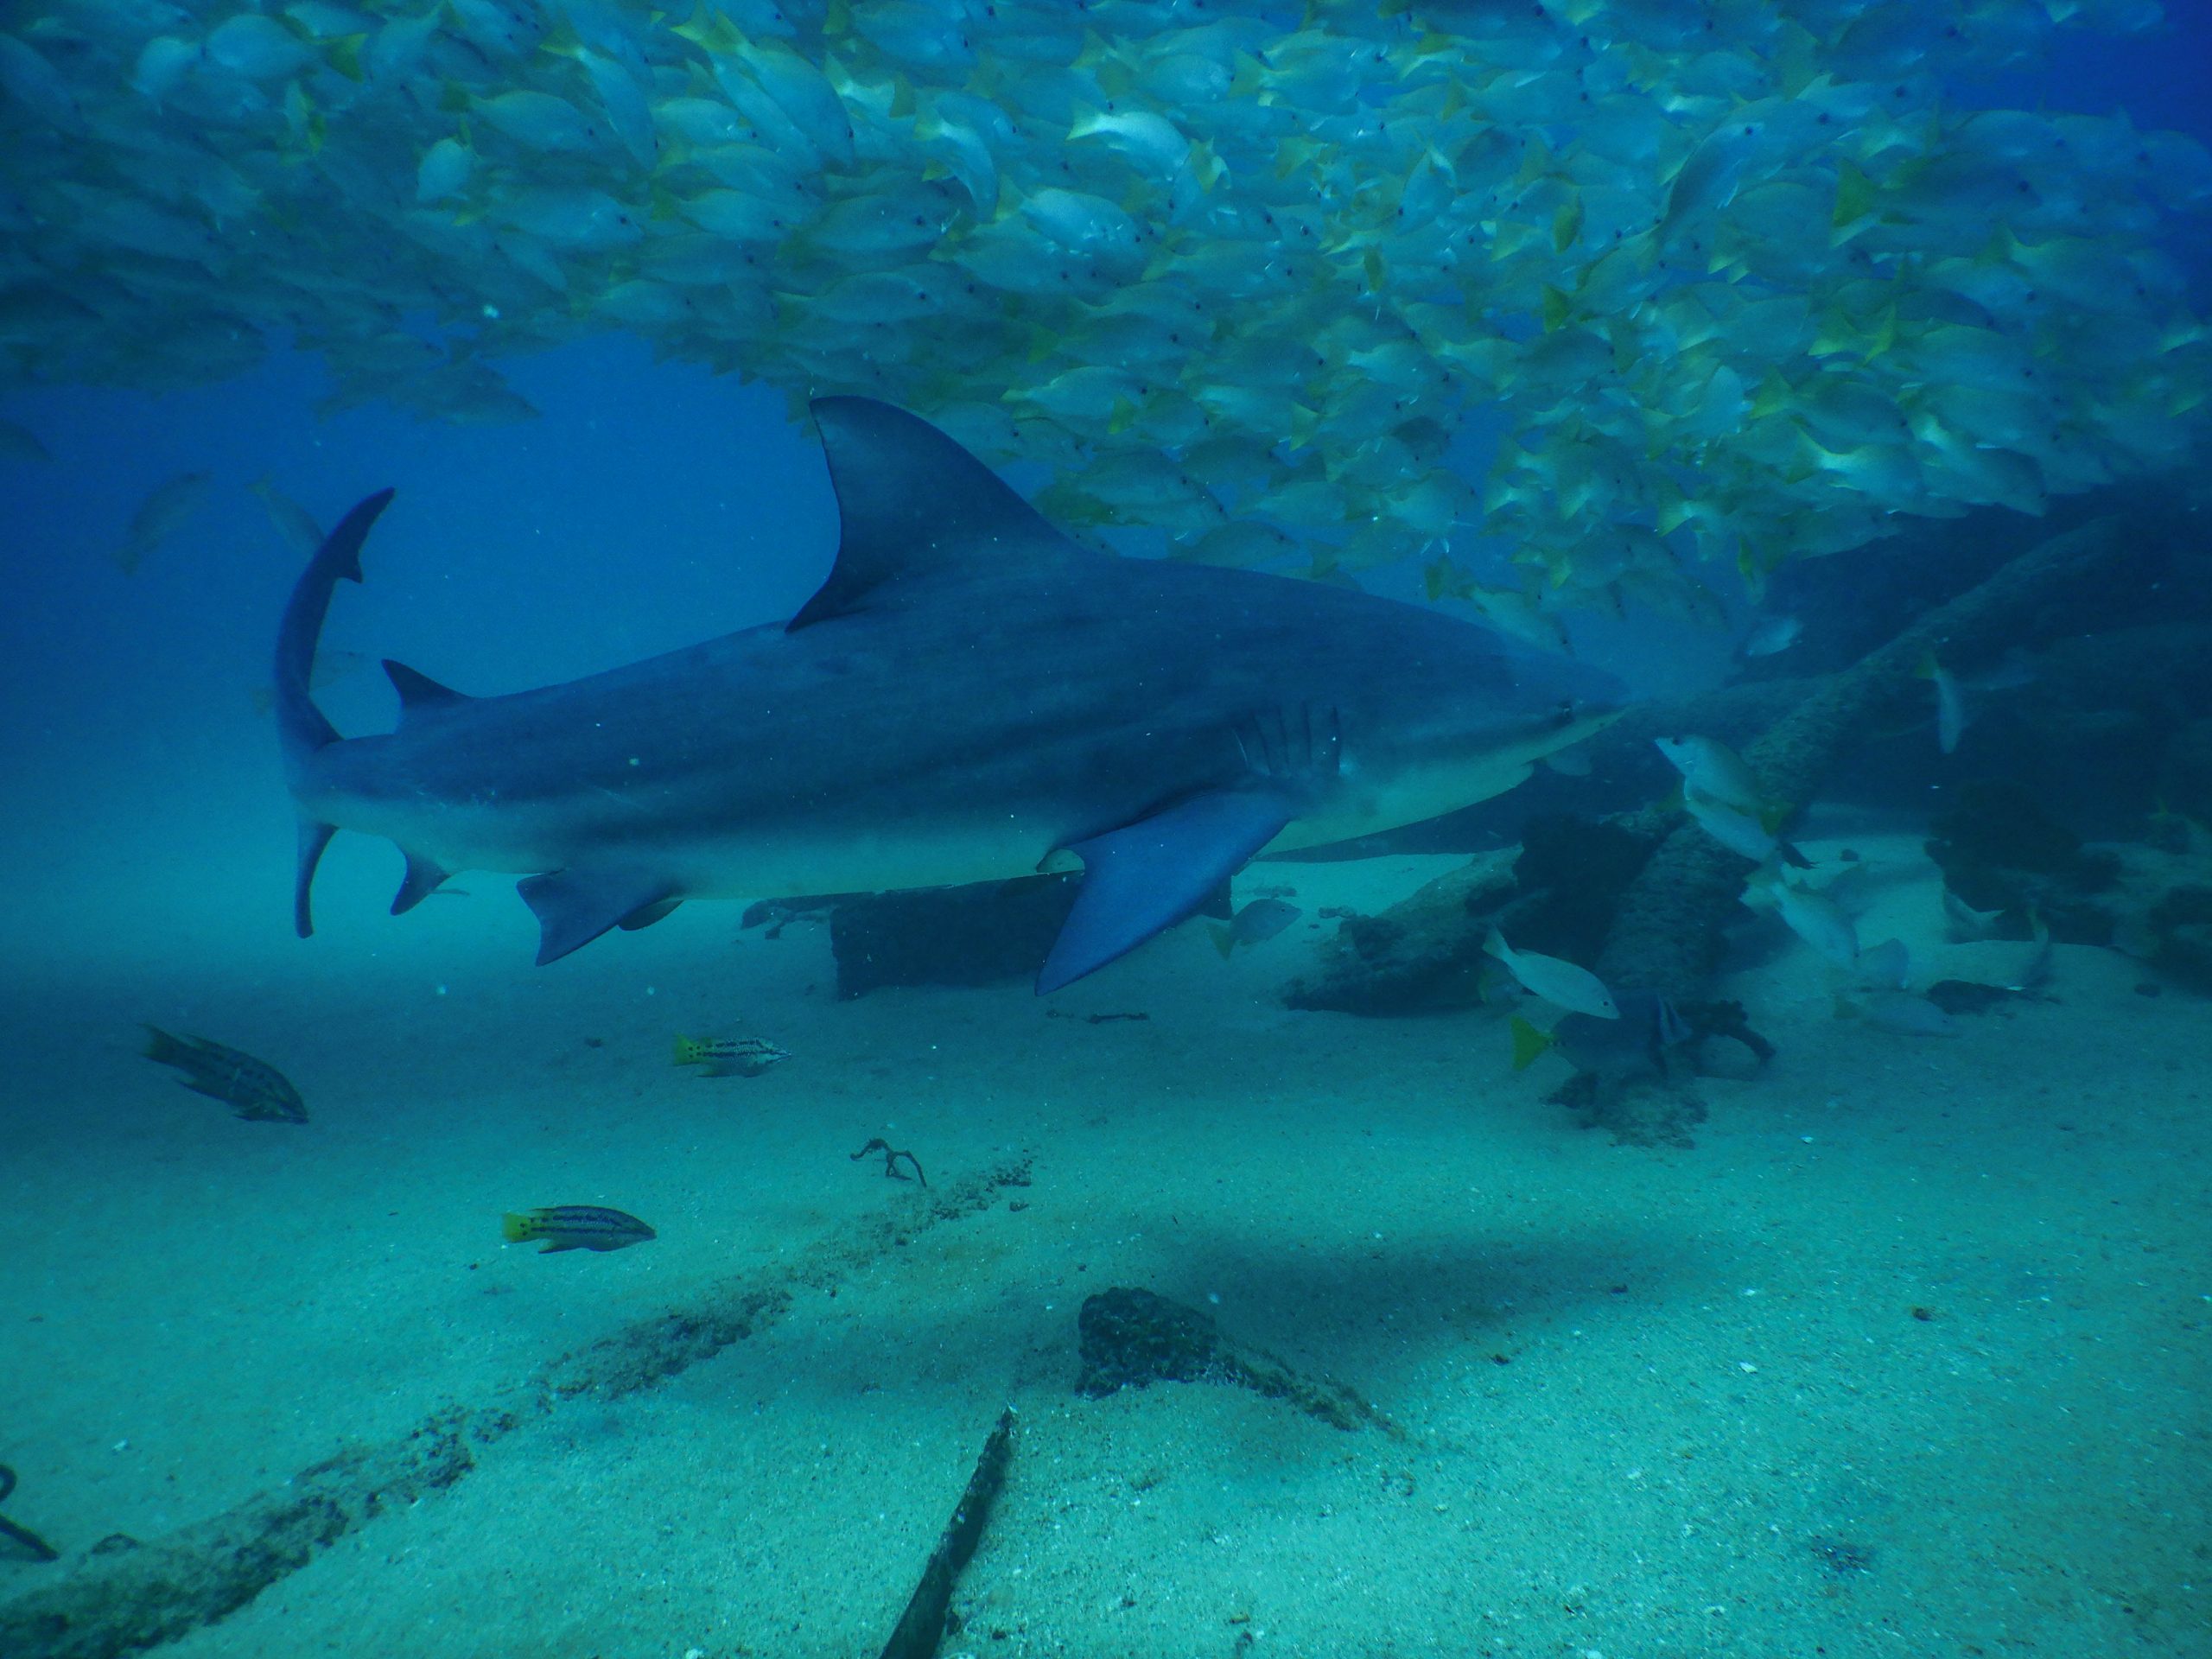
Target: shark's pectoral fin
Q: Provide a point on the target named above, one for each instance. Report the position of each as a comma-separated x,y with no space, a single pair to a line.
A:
314,838
1157,871
423,879
573,908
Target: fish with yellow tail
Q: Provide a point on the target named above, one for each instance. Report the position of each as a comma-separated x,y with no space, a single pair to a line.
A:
574,1227
1637,1043
729,1057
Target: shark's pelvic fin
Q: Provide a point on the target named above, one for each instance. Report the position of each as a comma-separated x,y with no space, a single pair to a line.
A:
1157,871
419,692
912,501
314,838
649,915
423,879
573,908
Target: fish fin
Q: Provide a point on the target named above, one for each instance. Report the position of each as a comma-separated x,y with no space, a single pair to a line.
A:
1793,855
314,838
1528,1043
419,693
552,1249
301,726
1495,945
573,908
646,915
1219,906
514,1228
1224,939
912,501
1150,874
423,879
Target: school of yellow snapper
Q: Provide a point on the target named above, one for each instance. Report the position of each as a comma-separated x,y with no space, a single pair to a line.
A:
1735,280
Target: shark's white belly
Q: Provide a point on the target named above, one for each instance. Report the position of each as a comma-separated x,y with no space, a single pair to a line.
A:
837,857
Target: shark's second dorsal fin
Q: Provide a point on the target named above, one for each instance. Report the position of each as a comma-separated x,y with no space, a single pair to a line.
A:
419,692
912,501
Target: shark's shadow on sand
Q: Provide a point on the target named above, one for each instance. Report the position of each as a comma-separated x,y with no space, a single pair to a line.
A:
968,697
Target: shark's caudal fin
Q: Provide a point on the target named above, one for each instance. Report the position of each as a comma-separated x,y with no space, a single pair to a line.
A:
300,725
1157,871
913,502
302,729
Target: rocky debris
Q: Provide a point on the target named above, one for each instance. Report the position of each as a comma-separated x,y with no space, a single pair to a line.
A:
1999,850
1554,894
1132,1338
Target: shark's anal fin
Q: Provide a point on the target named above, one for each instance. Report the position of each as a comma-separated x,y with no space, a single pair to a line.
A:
573,908
314,838
423,879
419,693
1157,871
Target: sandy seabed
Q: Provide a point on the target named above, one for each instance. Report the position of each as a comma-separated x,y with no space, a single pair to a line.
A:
1906,1356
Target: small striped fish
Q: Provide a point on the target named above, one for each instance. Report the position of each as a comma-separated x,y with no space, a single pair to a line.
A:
724,1056
252,1088
575,1227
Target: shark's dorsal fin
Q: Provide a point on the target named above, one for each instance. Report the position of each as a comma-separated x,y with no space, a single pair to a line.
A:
913,502
418,692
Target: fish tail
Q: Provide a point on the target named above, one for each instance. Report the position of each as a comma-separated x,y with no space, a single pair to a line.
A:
169,1051
688,1052
1528,1043
299,724
1224,939
515,1229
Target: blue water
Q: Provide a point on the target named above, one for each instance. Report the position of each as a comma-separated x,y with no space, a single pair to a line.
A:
1903,1356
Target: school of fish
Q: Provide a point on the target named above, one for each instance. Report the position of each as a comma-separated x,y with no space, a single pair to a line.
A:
1729,280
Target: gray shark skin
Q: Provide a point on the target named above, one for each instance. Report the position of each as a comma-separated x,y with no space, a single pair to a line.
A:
969,697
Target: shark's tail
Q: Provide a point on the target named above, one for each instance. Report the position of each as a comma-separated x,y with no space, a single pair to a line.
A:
302,729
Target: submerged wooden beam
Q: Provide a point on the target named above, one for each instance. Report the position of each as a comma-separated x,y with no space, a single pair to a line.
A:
1667,932
139,1596
921,1627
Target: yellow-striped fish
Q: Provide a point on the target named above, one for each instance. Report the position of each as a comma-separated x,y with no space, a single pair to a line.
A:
574,1227
728,1057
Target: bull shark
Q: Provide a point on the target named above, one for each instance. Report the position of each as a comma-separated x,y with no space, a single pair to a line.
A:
968,697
